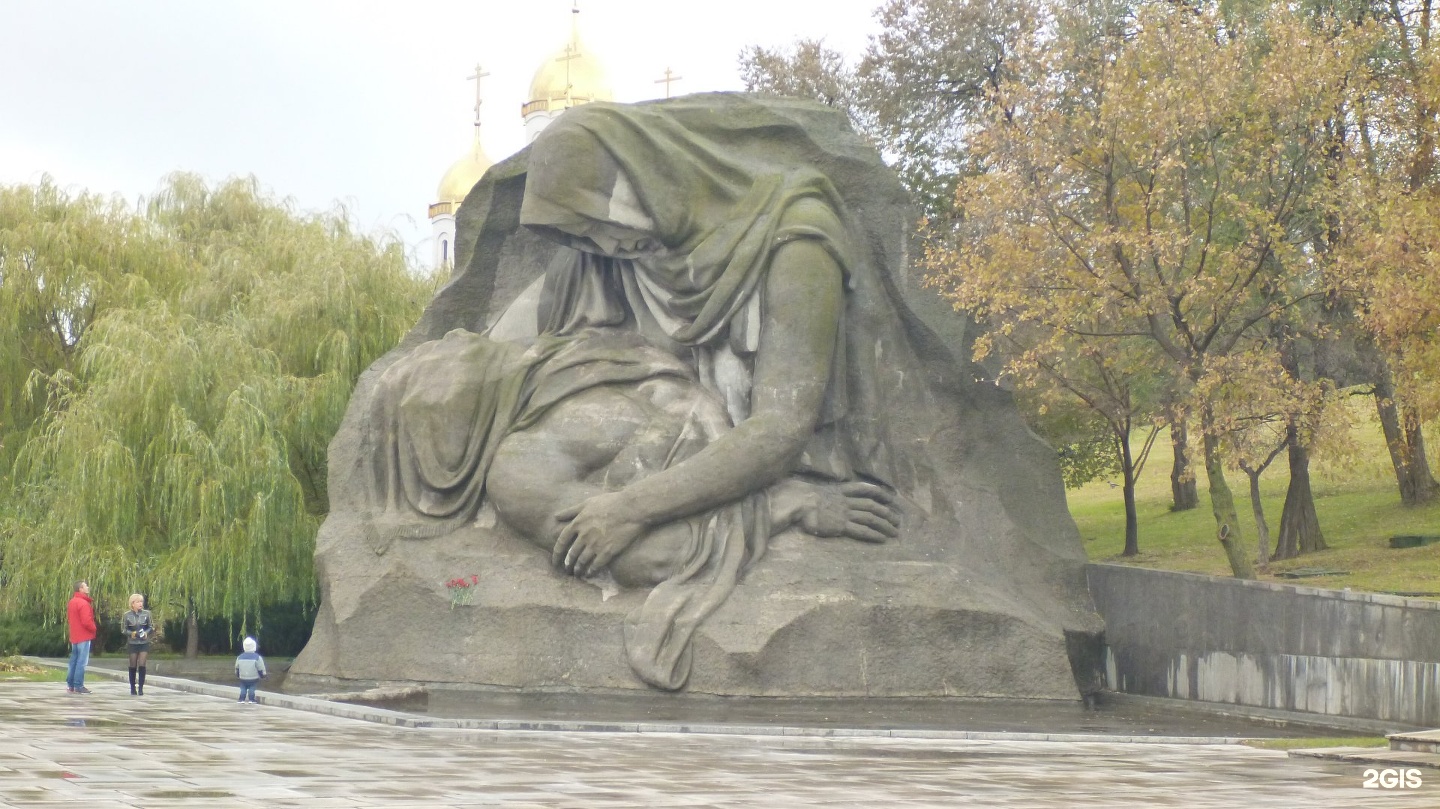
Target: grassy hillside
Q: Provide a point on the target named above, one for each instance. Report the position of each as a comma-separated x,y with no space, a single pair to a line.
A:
1355,496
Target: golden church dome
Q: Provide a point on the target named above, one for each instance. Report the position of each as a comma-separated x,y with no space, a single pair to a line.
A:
570,76
462,176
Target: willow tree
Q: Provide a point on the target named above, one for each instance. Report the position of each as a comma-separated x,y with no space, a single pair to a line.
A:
182,454
65,259
1159,182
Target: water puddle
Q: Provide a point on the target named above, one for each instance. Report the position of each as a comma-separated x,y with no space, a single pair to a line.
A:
917,713
291,773
87,722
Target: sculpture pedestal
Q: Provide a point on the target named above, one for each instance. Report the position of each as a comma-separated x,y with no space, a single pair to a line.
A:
812,618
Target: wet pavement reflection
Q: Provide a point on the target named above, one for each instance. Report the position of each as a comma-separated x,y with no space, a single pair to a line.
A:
1114,716
985,716
175,748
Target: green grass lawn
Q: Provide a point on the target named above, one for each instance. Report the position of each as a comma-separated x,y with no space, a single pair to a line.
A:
1355,497
1339,741
16,668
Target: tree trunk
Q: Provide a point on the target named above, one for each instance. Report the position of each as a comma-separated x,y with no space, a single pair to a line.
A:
1299,524
1184,494
1127,470
1406,445
1426,489
1394,439
1222,505
192,633
1262,529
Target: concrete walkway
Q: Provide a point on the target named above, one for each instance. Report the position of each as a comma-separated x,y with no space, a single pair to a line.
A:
182,748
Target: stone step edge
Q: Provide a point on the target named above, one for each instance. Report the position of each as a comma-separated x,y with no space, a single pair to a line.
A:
401,719
1371,755
1415,741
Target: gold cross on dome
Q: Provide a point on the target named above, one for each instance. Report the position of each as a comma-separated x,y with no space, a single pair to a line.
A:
479,99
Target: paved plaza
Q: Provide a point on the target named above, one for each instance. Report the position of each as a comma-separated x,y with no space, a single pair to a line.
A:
176,748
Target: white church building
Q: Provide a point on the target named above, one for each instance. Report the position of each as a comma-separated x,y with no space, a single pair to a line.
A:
569,77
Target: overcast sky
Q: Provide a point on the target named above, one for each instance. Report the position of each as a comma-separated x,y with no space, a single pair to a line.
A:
360,102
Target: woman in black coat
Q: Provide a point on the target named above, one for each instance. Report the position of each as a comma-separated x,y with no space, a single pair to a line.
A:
138,627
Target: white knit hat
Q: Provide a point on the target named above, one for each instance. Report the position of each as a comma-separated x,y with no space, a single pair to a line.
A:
249,644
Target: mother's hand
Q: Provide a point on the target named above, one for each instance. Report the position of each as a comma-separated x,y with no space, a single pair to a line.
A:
856,510
597,530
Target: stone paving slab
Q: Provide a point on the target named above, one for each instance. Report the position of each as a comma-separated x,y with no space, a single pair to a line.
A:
1119,717
175,748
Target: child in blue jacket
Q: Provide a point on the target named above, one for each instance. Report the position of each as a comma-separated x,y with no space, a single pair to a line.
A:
250,668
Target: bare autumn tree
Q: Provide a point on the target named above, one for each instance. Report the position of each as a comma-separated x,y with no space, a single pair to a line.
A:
922,86
932,76
181,450
807,69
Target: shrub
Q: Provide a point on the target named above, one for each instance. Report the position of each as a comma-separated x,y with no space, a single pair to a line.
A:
27,635
22,634
283,631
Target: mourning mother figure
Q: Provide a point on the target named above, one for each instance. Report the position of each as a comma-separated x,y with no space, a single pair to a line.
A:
714,353
668,379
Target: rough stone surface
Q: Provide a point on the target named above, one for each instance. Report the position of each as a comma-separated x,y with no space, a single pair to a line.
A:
982,594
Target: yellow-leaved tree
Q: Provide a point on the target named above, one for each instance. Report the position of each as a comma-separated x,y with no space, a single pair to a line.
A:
1156,177
1389,258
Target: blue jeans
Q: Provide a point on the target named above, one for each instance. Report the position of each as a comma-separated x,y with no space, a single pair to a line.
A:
247,690
79,659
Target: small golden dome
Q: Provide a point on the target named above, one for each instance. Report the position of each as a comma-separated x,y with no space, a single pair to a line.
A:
462,176
572,75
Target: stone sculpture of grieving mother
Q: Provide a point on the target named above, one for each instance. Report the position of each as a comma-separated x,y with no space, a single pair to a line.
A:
656,422
717,352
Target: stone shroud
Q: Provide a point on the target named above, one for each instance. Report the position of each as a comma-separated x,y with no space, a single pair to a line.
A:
984,595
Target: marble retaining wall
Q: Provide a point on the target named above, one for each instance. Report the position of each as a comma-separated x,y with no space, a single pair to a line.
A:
1265,645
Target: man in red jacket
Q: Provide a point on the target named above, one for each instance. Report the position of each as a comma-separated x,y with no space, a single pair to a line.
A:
81,616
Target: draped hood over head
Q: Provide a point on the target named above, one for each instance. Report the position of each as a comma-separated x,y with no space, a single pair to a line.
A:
684,214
